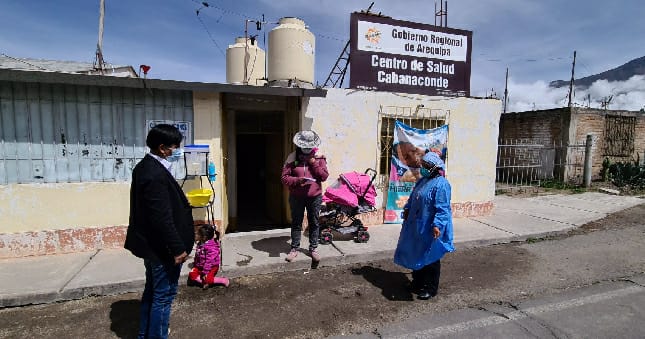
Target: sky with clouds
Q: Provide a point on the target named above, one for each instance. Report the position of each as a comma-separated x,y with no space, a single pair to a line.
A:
534,39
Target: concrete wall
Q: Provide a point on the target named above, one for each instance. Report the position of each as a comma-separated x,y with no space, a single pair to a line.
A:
592,121
348,123
39,219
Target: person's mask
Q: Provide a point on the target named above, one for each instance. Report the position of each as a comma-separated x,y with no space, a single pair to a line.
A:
427,173
306,150
176,155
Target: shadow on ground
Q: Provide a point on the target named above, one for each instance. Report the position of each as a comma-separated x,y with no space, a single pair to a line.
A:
273,246
124,315
392,284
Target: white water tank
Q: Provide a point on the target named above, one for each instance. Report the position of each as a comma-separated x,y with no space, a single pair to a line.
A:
291,54
255,63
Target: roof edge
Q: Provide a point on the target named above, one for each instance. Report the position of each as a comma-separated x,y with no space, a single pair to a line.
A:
107,81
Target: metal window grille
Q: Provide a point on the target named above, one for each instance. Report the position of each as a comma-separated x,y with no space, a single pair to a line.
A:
619,135
418,117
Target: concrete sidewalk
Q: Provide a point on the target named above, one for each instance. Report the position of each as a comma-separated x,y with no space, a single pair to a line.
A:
45,279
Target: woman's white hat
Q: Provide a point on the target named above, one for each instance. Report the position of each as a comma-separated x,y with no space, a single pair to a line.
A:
306,139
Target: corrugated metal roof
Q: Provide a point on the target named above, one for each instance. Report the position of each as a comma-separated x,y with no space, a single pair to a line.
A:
72,67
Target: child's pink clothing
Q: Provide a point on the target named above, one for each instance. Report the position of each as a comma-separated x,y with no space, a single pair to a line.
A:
206,264
207,255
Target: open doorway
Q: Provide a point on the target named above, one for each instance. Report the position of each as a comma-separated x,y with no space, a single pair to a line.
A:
259,158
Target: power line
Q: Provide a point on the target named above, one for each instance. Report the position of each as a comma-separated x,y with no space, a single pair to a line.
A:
205,4
210,35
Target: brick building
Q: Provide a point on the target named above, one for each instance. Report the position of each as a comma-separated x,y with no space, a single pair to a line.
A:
617,135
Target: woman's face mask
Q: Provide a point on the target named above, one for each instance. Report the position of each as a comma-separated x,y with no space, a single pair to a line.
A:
427,173
306,150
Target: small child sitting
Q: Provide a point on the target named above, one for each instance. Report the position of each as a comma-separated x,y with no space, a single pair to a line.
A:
207,259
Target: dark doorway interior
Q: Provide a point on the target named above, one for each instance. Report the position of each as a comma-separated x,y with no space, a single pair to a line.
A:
260,203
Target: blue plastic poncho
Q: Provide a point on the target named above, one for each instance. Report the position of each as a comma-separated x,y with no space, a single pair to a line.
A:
428,205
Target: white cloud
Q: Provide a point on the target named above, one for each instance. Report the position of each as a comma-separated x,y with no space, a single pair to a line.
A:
625,95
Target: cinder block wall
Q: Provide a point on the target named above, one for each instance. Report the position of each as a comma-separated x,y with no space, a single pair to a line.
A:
539,126
593,121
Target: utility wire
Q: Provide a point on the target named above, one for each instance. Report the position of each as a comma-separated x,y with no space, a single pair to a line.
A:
205,4
210,35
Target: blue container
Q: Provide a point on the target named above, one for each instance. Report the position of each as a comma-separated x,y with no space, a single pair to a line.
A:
211,172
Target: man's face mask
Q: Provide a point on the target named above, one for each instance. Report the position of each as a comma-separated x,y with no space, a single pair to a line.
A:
176,155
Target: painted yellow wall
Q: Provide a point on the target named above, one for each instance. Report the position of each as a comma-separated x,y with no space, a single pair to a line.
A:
209,131
348,121
472,148
37,207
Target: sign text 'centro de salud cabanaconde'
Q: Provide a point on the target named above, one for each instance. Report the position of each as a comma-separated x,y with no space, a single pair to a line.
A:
406,57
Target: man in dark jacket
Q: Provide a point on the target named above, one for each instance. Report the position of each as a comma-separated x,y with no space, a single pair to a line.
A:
161,228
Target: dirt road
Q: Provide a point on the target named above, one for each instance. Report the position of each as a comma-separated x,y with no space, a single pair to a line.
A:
356,298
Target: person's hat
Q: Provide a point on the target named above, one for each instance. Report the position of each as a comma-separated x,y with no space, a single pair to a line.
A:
433,158
306,139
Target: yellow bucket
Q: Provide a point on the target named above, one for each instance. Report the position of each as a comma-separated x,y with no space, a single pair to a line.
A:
199,197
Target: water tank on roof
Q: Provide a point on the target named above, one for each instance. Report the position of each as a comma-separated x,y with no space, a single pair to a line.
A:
291,54
255,57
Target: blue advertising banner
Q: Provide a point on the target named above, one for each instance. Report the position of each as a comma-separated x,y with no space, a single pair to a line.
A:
408,145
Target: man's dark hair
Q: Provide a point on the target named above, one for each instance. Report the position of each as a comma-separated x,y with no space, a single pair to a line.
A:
163,134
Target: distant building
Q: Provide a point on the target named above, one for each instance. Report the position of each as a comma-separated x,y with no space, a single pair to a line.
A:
72,67
547,144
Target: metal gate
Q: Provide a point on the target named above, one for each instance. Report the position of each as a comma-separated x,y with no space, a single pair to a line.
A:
527,163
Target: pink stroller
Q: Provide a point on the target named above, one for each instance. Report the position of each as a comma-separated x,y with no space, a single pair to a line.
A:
353,193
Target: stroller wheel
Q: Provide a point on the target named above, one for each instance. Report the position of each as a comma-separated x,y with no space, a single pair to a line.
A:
326,237
362,236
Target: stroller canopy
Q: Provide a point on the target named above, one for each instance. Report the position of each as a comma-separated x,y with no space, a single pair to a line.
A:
352,189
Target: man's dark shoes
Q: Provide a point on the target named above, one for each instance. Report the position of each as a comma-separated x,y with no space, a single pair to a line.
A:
413,288
424,295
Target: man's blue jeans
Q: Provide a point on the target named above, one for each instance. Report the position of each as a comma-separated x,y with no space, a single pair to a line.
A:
160,291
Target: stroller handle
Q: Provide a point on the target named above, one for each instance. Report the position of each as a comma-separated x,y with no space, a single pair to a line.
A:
372,173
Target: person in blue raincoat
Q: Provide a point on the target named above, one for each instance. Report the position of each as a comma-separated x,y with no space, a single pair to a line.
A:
426,234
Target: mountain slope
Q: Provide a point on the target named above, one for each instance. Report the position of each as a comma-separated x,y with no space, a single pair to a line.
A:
620,73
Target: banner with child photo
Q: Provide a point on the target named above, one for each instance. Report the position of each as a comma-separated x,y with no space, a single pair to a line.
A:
409,144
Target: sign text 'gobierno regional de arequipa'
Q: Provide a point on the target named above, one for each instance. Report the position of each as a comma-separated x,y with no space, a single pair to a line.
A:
407,57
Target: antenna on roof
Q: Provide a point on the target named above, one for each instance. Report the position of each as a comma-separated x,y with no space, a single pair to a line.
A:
337,74
442,14
99,63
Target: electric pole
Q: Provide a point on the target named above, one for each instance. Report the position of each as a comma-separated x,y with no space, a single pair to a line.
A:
571,82
506,91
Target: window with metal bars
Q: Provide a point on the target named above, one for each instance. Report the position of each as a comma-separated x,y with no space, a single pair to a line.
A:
387,134
619,135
